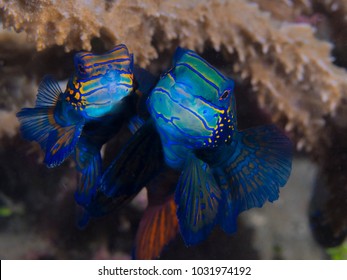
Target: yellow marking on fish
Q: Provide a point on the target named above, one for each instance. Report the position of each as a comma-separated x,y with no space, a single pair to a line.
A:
220,111
77,95
104,61
209,141
222,124
171,77
128,75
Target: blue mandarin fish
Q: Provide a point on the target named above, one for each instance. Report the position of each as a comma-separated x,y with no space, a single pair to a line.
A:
224,171
130,171
87,114
192,130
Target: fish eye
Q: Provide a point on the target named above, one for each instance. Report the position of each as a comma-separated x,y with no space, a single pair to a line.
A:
225,94
81,69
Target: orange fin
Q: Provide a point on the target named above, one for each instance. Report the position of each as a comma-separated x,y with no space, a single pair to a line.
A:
158,226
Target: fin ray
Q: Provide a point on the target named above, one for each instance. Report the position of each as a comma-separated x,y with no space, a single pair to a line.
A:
157,228
88,163
48,92
36,124
61,143
252,171
139,161
197,197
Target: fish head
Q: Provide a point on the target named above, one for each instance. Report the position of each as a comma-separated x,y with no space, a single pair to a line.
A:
194,102
100,81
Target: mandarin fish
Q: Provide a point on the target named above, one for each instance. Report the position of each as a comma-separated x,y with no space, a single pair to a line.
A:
87,114
193,130
224,171
101,204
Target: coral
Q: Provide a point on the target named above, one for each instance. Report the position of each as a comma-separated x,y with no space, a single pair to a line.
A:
290,70
285,10
16,88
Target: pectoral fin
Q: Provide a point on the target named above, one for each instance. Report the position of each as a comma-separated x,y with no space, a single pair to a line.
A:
139,161
61,143
88,163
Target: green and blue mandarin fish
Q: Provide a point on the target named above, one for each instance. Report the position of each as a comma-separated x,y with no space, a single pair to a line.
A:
224,171
193,131
87,114
101,203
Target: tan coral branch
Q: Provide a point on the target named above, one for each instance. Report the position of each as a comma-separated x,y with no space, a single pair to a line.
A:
291,71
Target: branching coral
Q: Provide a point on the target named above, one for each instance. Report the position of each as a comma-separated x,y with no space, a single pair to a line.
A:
290,70
16,87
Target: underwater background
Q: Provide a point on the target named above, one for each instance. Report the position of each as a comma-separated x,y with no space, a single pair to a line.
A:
288,60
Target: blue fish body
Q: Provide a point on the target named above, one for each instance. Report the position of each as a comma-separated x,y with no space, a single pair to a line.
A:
224,171
87,114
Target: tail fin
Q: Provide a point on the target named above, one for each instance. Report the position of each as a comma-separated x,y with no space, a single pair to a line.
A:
158,226
252,171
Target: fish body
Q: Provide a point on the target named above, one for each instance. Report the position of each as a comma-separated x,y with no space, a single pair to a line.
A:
224,171
79,120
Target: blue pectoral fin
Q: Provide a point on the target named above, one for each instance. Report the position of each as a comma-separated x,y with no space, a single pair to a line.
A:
139,161
252,171
135,123
88,163
61,143
197,197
